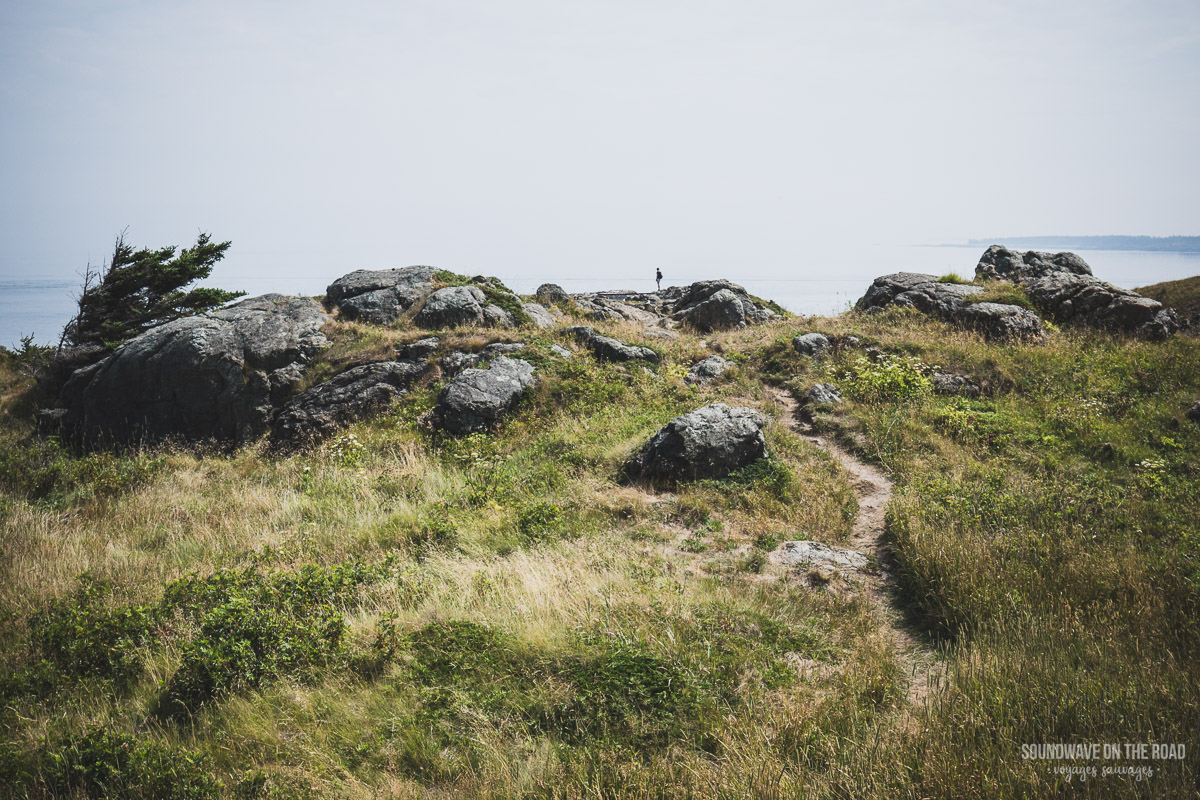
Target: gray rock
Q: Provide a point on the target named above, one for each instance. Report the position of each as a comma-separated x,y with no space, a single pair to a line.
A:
915,290
804,552
456,362
605,348
716,305
379,296
709,442
1000,321
707,370
478,398
496,317
811,344
1193,413
218,376
540,316
551,294
661,333
1082,299
452,306
821,394
603,307
561,351
1061,286
420,349
1000,263
950,384
344,399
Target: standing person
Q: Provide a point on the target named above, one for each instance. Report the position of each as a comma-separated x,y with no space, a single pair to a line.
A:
658,278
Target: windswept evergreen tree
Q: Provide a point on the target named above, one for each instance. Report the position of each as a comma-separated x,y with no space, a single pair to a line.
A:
139,289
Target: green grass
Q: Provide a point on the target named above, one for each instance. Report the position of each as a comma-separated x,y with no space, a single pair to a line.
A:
398,613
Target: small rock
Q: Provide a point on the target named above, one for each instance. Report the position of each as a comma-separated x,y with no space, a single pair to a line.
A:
950,384
478,398
419,350
709,442
811,344
1193,413
707,370
805,552
551,294
822,394
661,333
561,351
540,316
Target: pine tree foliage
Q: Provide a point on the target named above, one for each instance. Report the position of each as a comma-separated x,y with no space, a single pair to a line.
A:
139,289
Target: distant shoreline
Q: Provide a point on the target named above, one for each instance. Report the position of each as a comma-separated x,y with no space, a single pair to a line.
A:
1144,244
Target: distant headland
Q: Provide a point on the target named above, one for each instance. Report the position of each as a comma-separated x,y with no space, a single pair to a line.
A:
1152,244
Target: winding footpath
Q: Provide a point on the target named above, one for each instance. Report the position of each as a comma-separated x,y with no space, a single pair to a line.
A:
873,490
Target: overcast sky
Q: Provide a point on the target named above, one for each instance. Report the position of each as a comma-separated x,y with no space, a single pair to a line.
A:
587,138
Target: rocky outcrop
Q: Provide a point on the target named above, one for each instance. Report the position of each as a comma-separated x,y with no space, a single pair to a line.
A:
915,290
948,383
460,305
419,350
605,348
379,296
951,302
218,376
613,307
812,345
709,442
478,399
1000,321
706,371
1082,299
1062,287
821,394
354,395
716,305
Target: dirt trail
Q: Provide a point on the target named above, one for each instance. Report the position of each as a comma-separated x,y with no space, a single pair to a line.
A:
874,491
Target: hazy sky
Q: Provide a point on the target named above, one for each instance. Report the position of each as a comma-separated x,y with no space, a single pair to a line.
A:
587,138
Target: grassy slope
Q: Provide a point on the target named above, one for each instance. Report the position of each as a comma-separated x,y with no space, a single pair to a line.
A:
1182,295
398,614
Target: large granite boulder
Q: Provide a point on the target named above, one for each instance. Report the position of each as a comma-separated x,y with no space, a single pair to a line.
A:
717,305
998,263
951,302
478,398
1070,298
606,348
459,305
379,296
1061,286
217,376
916,290
710,442
355,394
617,306
455,362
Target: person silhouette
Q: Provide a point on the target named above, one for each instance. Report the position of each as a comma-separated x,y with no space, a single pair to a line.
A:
658,278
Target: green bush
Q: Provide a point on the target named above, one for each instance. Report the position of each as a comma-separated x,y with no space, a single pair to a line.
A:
103,764
44,471
887,378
